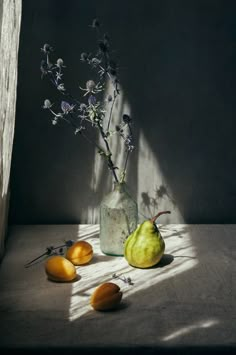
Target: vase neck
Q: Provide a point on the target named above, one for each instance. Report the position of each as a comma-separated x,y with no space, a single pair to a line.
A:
119,186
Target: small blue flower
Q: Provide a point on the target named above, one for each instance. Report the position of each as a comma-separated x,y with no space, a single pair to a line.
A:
92,100
66,107
69,243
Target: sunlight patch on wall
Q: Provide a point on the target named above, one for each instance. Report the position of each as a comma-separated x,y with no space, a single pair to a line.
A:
117,147
90,214
116,144
154,194
180,256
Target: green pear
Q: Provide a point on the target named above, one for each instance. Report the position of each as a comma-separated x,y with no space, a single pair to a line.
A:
145,246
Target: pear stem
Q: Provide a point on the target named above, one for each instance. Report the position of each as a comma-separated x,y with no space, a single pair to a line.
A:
153,219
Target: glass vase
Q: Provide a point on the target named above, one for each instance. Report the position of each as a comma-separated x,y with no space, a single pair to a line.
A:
118,219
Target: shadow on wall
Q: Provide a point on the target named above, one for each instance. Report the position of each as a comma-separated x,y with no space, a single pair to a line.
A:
178,75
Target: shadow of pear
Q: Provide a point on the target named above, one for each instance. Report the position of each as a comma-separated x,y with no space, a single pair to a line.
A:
166,259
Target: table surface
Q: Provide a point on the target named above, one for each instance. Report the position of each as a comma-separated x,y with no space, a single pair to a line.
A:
188,299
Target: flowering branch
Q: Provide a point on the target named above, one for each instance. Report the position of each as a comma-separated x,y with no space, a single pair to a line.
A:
52,251
80,114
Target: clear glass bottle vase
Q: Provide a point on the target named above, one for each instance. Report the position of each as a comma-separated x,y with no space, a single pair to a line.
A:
118,219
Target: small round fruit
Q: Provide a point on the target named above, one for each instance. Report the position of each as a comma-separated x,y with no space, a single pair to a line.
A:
106,297
80,253
60,269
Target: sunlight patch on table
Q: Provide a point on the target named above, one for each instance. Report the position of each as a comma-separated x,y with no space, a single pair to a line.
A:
188,329
102,267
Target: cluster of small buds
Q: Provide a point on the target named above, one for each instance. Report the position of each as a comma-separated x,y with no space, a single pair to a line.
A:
46,48
83,107
47,104
128,138
95,62
128,143
84,56
79,129
60,63
54,120
61,87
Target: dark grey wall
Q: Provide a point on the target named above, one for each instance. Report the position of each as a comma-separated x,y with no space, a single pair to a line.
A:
179,74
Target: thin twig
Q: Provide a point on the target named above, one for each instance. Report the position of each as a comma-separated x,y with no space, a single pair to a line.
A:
111,110
125,166
110,162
